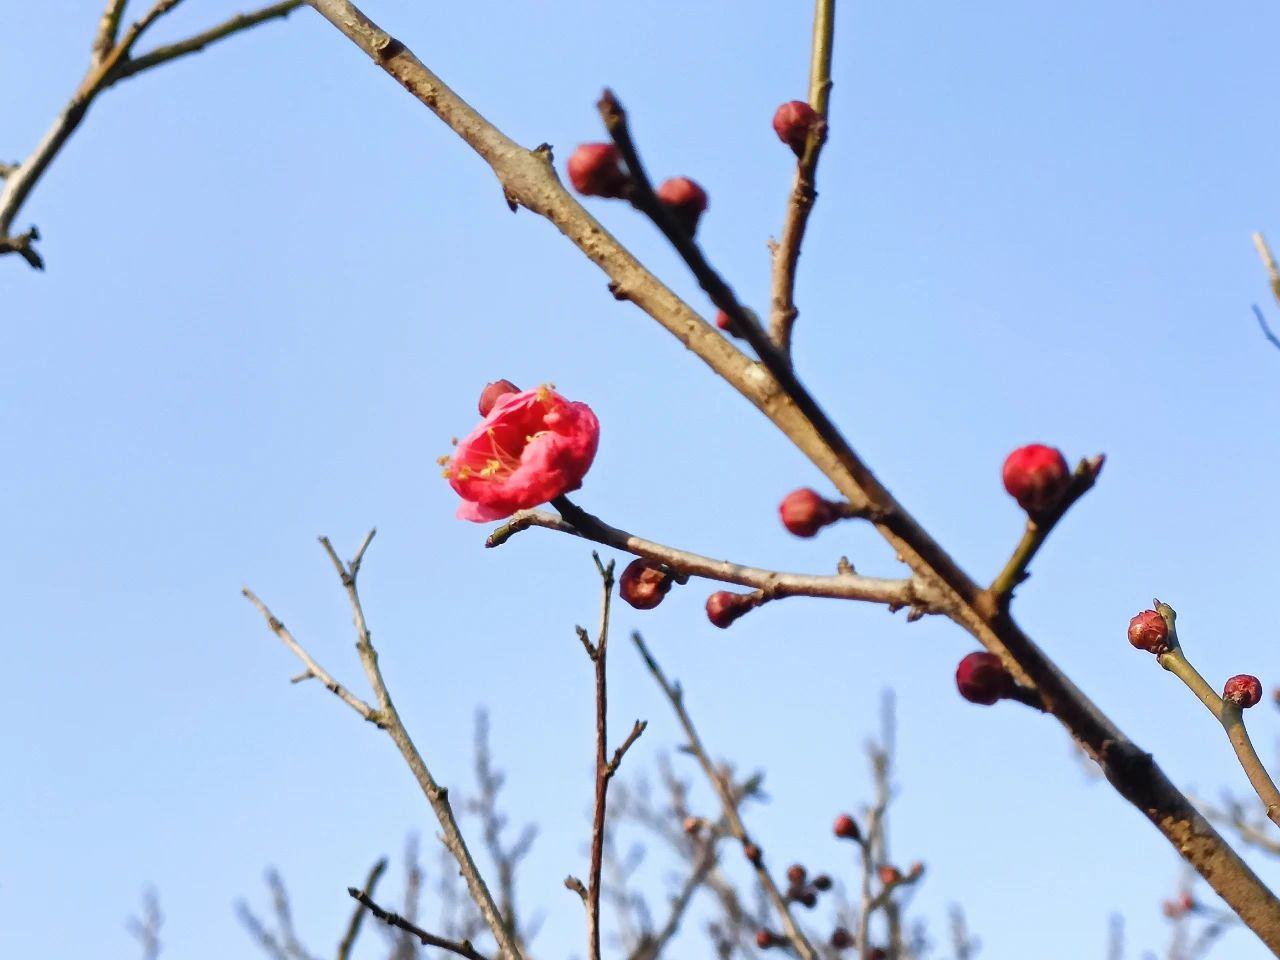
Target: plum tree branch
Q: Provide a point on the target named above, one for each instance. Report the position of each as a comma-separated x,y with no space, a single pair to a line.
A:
462,948
728,804
786,252
388,718
527,178
910,592
112,61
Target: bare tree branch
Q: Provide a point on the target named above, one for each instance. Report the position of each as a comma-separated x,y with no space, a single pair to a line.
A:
462,949
528,179
146,928
786,252
728,804
111,62
911,592
388,718
353,926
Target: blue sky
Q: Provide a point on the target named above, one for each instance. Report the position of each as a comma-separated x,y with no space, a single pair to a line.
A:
276,285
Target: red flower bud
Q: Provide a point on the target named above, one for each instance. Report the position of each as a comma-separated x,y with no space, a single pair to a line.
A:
1242,690
807,899
1148,631
752,853
841,938
982,678
796,874
792,123
1036,476
724,607
889,875
684,200
877,953
766,939
594,171
691,825
822,882
492,391
846,828
804,513
644,583
726,324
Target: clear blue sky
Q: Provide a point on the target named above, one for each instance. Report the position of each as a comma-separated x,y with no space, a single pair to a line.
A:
276,283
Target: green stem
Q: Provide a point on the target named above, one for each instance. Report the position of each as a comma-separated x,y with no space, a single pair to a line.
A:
824,23
1228,714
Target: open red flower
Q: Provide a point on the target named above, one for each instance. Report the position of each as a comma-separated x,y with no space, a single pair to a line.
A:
532,447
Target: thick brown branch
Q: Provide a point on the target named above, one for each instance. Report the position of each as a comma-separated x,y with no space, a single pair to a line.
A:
462,948
528,179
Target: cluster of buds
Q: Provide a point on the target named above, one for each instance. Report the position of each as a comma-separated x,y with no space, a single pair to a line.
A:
595,170
801,889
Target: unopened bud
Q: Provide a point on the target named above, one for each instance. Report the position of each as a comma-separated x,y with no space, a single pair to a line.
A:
691,825
804,512
889,875
1149,631
1036,476
792,122
724,607
594,171
796,874
1242,690
822,883
767,938
492,392
644,583
982,678
846,828
841,938
752,853
684,200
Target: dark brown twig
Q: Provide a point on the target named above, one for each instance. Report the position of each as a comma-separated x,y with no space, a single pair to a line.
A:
462,948
605,768
357,916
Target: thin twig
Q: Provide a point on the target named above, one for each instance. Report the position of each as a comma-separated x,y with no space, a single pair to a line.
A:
1266,327
897,594
357,916
786,253
111,62
462,948
389,720
313,668
527,178
728,803
1269,262
998,595
605,768
146,928
1229,714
